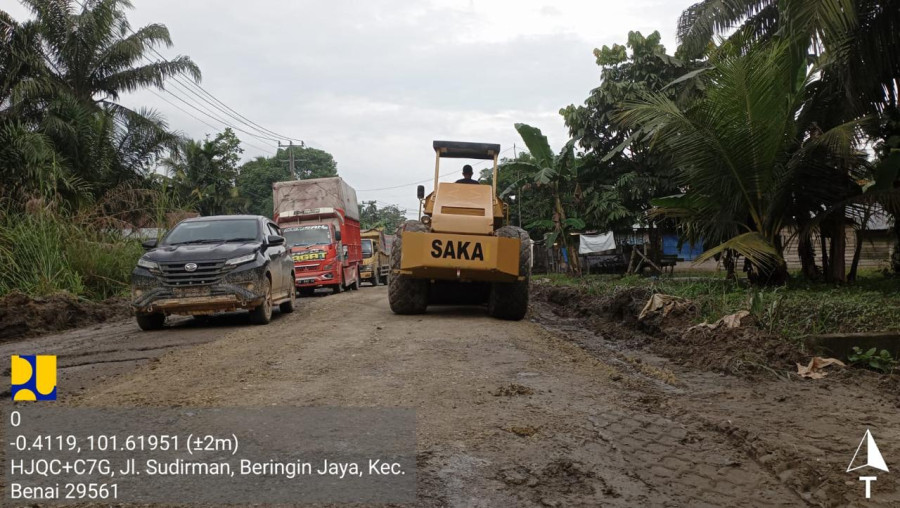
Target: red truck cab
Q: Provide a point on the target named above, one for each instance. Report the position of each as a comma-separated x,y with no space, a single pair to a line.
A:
320,221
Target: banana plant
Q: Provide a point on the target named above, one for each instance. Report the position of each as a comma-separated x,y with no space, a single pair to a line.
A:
557,172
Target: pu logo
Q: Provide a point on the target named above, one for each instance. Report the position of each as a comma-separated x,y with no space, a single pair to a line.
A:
33,377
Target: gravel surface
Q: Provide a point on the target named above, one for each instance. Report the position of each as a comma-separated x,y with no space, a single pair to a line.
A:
541,412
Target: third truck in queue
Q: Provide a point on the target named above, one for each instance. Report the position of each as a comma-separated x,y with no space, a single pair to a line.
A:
320,221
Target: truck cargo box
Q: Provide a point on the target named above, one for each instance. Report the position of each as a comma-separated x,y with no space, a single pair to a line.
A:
315,193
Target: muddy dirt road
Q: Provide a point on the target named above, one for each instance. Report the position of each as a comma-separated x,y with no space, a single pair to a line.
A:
530,413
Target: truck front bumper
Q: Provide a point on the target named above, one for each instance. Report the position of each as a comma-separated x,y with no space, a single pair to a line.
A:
315,279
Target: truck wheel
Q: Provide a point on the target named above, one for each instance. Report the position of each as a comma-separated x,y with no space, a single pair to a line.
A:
356,282
262,314
288,306
149,322
406,295
376,279
509,300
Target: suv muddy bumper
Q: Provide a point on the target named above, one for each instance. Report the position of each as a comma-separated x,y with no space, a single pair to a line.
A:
237,291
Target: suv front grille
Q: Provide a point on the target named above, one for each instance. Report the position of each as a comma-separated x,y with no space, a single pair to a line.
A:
207,272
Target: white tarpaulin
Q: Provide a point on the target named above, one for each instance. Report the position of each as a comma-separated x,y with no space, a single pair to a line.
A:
589,244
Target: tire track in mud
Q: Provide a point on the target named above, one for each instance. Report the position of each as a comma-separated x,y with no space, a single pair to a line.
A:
790,429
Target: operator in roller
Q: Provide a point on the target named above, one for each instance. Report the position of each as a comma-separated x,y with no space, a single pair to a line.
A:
467,175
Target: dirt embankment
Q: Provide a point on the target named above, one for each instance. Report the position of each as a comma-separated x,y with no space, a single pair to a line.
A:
742,350
22,316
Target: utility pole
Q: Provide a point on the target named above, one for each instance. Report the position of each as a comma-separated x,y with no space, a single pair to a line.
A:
290,147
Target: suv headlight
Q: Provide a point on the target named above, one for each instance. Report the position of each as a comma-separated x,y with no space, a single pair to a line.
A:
146,263
240,260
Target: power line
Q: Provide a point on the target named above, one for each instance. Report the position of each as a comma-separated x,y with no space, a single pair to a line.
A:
215,118
176,106
267,134
265,138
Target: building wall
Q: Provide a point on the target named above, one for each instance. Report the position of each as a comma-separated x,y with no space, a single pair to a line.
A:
876,250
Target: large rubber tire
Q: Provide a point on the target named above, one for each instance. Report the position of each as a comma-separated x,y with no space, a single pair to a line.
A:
149,322
262,314
376,279
406,295
289,306
509,300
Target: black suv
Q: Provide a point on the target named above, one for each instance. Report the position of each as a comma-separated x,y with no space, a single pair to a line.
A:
213,264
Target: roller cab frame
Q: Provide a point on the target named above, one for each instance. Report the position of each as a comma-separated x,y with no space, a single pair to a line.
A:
462,219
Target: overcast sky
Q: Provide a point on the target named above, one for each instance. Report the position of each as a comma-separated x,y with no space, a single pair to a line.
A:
374,82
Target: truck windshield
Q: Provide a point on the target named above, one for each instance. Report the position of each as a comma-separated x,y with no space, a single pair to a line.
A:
234,230
307,235
367,248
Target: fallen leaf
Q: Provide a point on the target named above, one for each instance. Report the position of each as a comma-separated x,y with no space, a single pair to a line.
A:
814,369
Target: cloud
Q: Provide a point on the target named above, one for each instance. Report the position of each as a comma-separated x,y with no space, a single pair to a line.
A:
375,82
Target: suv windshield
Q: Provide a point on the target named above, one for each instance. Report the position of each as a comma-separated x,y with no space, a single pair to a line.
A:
244,230
307,235
367,248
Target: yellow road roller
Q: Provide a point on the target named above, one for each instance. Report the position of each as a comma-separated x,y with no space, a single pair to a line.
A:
460,251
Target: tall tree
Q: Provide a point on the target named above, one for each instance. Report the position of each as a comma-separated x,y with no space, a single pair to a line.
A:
852,42
621,170
742,150
205,172
62,74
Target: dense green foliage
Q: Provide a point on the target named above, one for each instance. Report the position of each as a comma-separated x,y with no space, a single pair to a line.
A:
750,143
386,217
63,136
206,171
621,170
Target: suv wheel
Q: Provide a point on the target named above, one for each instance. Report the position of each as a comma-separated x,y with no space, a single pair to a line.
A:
289,306
149,322
262,314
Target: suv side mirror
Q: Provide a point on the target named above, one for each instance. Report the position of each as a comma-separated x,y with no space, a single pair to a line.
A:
275,240
420,192
337,235
149,244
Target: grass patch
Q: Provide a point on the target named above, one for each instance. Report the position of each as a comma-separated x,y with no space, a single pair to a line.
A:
46,253
794,311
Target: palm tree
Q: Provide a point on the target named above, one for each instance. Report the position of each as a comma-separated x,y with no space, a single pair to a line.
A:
556,172
743,152
61,75
857,39
96,56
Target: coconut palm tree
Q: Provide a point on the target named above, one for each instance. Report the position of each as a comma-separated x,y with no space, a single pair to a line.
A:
858,38
744,154
61,76
93,53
